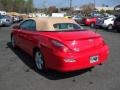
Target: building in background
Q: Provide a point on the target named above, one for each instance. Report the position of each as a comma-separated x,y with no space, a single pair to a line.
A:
104,8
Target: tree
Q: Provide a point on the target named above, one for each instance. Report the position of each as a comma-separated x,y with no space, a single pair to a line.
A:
17,5
87,8
6,4
110,11
102,11
1,6
29,5
52,9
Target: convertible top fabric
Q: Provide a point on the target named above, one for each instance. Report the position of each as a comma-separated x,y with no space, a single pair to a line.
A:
47,23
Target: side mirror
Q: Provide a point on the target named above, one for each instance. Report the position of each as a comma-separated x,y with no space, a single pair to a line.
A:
16,27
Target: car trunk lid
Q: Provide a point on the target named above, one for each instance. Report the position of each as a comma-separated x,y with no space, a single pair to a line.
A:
78,40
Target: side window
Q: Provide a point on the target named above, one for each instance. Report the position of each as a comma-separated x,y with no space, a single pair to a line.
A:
63,26
25,25
75,26
28,25
77,16
113,19
32,27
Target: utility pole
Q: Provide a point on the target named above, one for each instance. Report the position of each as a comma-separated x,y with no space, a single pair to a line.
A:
94,4
70,6
44,6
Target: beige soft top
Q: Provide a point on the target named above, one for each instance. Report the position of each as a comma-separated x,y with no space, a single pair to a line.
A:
47,23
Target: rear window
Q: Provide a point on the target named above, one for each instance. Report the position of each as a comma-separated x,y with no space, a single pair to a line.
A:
106,18
66,26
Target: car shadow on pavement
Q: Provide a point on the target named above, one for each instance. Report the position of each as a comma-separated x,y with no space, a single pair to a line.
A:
50,74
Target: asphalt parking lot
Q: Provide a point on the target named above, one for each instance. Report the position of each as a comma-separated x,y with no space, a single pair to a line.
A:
18,73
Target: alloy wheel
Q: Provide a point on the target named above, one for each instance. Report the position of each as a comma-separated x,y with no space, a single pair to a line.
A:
92,25
39,60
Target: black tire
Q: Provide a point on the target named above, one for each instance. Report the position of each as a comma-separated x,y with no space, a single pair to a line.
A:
39,60
13,42
92,25
118,31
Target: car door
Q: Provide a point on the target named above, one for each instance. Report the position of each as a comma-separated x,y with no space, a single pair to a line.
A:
28,29
22,33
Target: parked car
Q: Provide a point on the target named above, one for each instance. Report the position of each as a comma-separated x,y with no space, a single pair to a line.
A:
67,16
117,24
78,18
5,20
20,18
59,44
106,22
16,19
3,13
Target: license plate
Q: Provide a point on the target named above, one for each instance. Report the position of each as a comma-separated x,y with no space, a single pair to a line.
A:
94,59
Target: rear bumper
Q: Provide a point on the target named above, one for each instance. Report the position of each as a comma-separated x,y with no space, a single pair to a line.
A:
82,60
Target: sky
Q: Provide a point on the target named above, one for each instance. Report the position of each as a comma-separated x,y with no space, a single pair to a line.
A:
75,3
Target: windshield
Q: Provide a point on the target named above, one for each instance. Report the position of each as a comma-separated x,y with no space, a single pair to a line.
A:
4,16
67,26
106,18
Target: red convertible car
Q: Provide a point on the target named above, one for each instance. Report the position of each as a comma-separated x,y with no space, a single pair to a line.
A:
59,44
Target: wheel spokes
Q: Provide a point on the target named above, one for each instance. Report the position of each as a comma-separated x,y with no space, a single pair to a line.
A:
39,61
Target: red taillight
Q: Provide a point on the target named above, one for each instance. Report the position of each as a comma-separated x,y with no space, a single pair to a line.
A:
59,46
